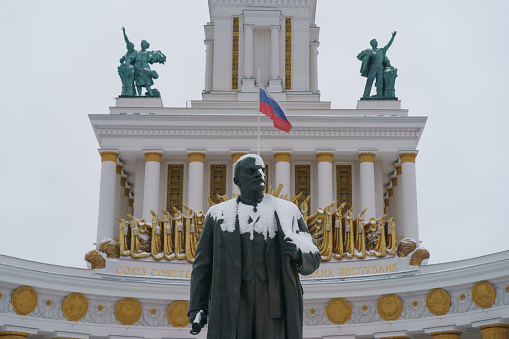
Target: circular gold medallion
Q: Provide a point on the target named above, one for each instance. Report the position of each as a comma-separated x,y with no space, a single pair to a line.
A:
312,311
364,308
177,313
153,311
75,307
1,295
24,300
389,307
338,311
128,311
506,289
415,303
438,301
100,308
462,297
49,302
483,294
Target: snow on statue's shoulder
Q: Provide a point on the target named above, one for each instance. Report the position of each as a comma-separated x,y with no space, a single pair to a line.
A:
225,211
289,215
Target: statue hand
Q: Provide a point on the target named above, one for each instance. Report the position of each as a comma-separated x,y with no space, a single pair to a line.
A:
394,33
290,249
123,29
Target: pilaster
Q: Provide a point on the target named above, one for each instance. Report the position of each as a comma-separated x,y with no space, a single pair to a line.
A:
283,170
367,183
409,219
195,178
325,178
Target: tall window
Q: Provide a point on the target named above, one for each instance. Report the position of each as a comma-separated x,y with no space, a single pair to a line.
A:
303,182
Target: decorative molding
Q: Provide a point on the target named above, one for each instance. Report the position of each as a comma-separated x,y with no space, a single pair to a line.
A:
338,311
127,190
483,294
24,300
288,53
128,311
196,156
123,181
175,187
235,53
390,190
109,156
389,307
75,307
303,183
446,335
324,157
438,301
344,185
153,156
398,169
118,169
217,182
282,157
236,155
367,157
177,313
407,157
394,181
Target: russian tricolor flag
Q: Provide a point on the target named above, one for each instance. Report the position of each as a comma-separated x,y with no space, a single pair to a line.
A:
271,108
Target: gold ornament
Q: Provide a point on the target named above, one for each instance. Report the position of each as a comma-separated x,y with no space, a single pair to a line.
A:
324,157
177,313
494,331
153,311
13,335
119,169
109,156
438,301
389,307
24,300
462,297
446,335
398,169
483,294
408,157
282,157
236,155
312,311
338,311
367,157
415,303
1,295
110,247
196,156
418,256
128,311
95,259
365,308
405,247
100,308
49,302
506,289
153,156
75,307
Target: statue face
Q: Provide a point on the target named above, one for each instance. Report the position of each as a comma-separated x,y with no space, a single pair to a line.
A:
249,175
374,43
145,44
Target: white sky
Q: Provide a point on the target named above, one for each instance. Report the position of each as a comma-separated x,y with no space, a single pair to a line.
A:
59,64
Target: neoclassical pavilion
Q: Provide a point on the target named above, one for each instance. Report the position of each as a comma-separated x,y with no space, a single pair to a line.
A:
350,171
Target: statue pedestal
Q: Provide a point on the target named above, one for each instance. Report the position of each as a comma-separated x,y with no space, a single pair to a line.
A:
138,101
379,103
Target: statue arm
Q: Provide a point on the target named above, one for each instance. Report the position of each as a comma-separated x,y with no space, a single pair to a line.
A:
126,39
309,261
201,277
390,41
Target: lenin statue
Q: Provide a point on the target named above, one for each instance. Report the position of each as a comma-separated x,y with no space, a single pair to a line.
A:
245,277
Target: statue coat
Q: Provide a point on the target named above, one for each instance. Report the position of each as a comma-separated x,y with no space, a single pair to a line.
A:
216,277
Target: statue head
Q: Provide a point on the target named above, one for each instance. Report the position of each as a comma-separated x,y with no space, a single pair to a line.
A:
250,174
144,44
374,43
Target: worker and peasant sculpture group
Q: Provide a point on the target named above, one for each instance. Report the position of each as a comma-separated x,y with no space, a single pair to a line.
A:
376,66
134,69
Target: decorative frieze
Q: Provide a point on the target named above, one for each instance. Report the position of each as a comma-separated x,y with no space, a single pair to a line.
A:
288,53
235,52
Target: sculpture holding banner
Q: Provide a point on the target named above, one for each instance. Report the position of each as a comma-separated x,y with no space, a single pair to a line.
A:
134,69
376,65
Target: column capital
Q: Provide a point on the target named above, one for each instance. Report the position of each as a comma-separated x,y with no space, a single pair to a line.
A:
118,169
390,191
109,155
153,155
282,156
131,202
249,27
237,154
394,181
196,156
407,156
14,334
324,156
123,181
398,170
367,156
127,190
278,27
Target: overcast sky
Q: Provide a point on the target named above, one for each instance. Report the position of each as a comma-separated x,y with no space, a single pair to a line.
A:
59,65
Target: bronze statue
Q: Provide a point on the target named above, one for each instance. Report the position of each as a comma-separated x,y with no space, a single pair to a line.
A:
245,277
134,69
374,66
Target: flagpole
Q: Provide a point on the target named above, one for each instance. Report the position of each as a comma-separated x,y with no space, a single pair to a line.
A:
258,112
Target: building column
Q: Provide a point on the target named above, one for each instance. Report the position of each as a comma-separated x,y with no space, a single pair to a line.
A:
119,191
13,335
122,201
127,191
325,178
209,64
409,221
367,184
390,195
313,66
107,224
283,171
130,208
235,157
151,185
495,331
274,52
248,51
446,335
195,179
386,203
